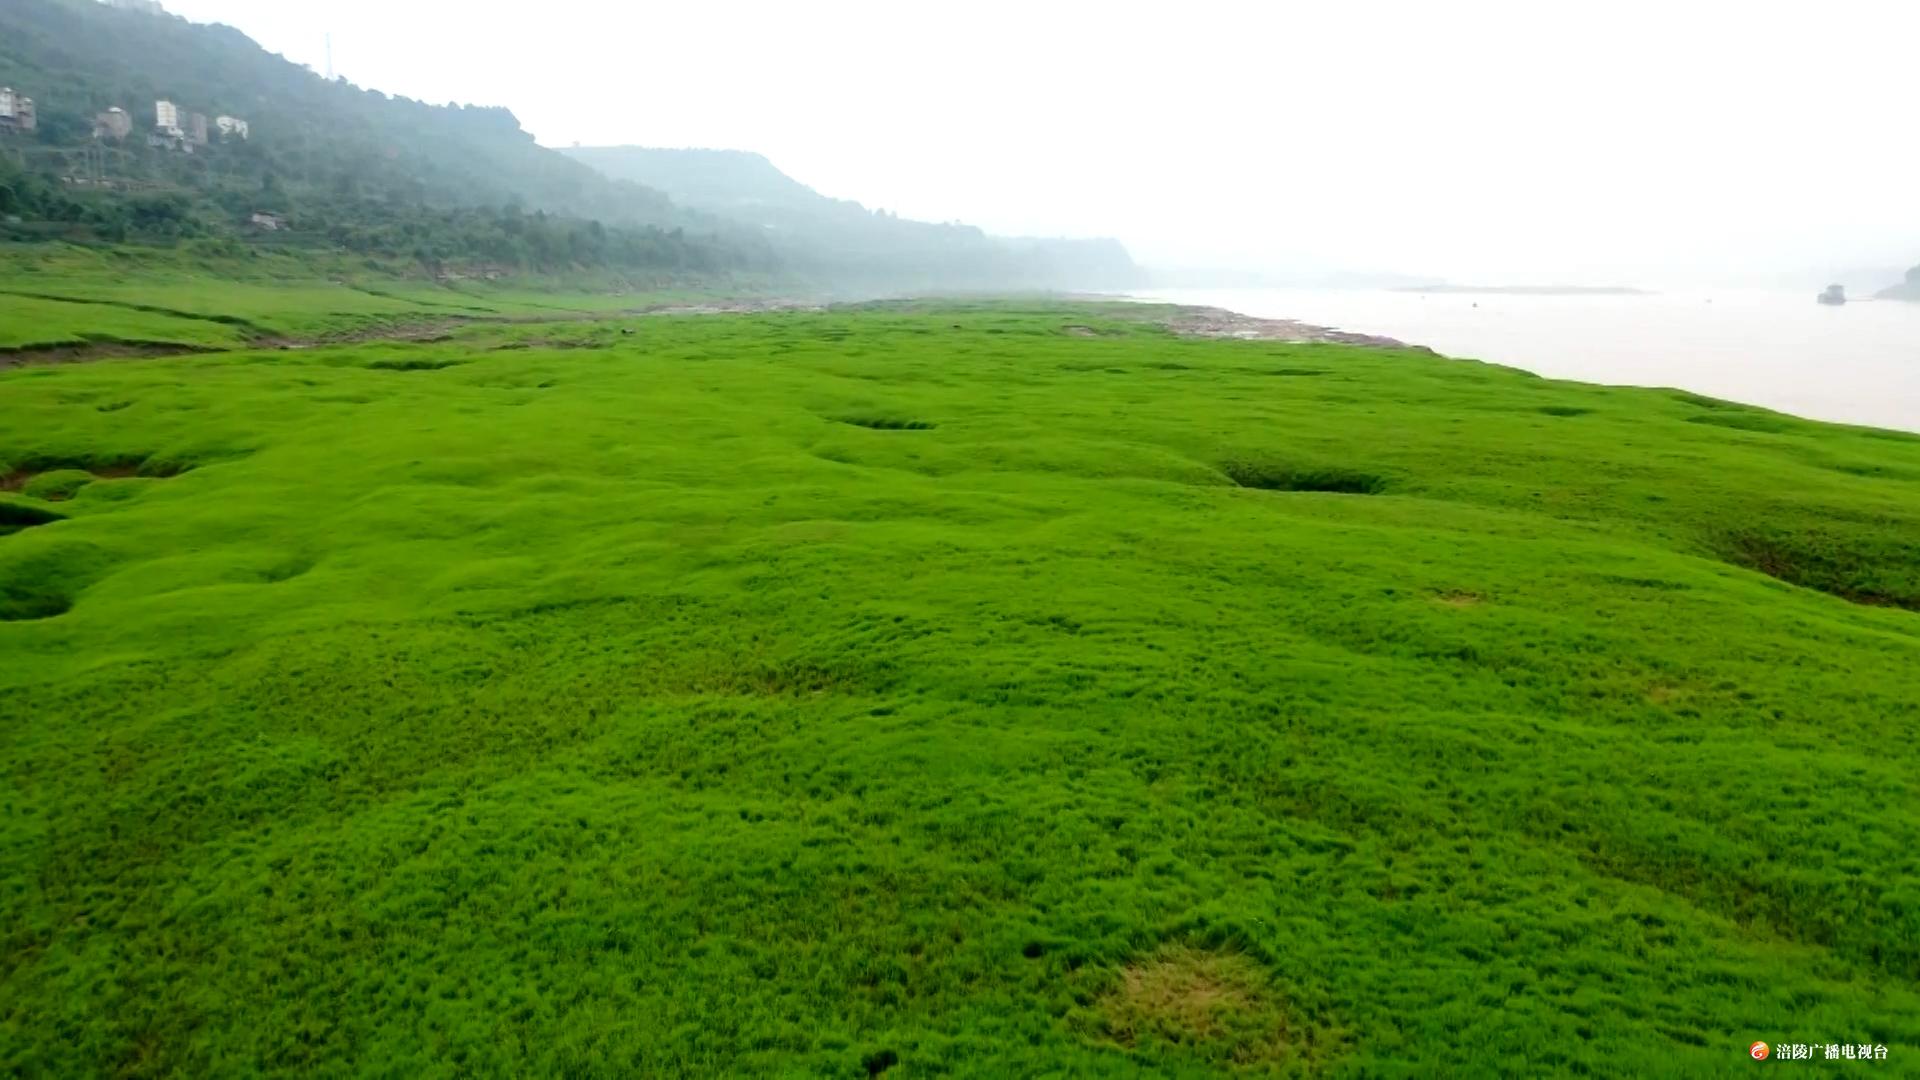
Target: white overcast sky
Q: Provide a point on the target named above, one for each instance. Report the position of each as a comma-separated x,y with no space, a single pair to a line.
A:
1547,140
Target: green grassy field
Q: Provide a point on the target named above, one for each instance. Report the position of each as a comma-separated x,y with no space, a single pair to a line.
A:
933,690
68,296
27,322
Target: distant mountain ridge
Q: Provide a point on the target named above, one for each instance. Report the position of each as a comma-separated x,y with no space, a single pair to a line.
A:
1906,290
733,180
842,241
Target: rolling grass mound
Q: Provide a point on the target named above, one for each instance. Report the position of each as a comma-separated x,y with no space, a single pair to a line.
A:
550,700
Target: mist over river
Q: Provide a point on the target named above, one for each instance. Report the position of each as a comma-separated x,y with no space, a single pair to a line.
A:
1857,364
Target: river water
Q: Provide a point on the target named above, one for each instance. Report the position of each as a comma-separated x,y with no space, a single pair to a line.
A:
1857,364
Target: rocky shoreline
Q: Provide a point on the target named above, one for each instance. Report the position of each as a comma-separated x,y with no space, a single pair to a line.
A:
1211,322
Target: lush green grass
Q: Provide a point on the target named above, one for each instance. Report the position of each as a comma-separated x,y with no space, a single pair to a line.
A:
58,295
933,691
27,322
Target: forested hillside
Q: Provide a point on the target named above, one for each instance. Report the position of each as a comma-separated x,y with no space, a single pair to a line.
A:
345,167
840,240
325,164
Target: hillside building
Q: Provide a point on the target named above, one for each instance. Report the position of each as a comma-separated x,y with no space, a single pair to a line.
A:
16,111
113,124
231,127
166,133
196,129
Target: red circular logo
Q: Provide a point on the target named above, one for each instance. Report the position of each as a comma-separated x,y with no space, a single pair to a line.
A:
1758,1050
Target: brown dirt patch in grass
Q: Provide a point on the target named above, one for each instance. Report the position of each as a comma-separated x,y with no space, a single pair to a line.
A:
1460,599
1661,693
1205,322
20,479
1218,1005
81,352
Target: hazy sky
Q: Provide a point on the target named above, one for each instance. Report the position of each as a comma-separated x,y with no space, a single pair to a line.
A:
1553,139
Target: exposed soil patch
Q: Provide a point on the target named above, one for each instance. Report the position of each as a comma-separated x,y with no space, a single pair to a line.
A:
1219,1005
734,307
56,486
54,479
423,331
1205,322
1181,992
1267,476
1461,599
887,423
80,352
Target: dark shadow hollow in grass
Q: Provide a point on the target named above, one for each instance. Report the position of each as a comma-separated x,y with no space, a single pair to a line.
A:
17,516
412,364
33,606
1288,372
1268,476
38,587
887,423
1882,575
1766,423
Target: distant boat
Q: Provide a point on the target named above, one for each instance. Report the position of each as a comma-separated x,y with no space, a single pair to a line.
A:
1834,295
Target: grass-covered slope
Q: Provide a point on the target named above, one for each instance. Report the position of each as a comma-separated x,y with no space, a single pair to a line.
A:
942,690
65,298
349,168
